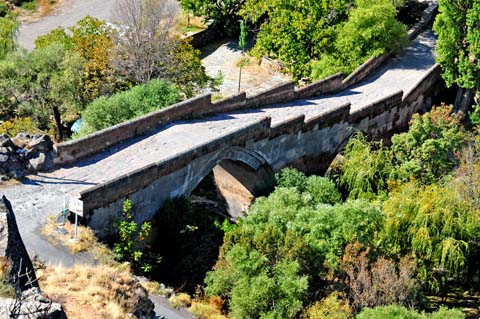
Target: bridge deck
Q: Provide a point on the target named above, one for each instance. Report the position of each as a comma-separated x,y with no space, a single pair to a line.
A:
43,194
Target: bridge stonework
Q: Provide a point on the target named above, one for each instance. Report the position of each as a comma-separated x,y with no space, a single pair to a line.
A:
258,149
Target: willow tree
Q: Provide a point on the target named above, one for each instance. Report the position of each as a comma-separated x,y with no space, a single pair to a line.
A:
458,47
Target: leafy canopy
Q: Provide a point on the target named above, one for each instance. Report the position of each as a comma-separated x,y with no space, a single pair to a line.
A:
142,99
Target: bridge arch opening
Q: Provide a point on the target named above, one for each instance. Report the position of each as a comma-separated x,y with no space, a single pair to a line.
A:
239,176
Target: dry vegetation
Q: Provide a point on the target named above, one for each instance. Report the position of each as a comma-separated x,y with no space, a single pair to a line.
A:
91,291
207,308
6,288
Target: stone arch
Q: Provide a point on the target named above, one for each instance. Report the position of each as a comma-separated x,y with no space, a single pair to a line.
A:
240,176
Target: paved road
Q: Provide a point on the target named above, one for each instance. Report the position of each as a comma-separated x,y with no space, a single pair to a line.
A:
43,194
67,15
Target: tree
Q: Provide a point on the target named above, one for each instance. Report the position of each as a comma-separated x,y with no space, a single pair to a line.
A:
295,32
224,13
42,82
92,39
371,30
281,252
458,52
146,46
8,29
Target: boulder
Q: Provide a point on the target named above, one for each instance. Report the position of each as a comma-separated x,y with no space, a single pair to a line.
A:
32,303
22,139
5,141
41,143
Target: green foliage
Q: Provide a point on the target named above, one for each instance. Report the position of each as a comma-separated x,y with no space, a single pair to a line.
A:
458,52
295,32
130,235
371,30
92,40
142,99
427,152
366,168
433,223
243,35
288,240
18,125
8,29
396,312
41,83
187,72
429,149
223,12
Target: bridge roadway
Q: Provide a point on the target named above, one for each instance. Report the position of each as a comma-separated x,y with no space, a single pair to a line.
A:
42,195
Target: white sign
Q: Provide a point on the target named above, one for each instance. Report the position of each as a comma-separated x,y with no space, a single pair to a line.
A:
75,205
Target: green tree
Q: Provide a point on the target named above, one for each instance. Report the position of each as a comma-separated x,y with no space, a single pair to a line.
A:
295,32
42,82
430,148
142,99
284,247
92,39
371,30
435,225
8,29
458,52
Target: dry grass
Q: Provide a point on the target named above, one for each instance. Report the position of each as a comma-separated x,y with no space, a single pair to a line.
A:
86,239
207,309
180,300
91,291
156,288
6,288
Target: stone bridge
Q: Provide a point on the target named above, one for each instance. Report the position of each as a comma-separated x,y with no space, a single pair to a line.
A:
243,140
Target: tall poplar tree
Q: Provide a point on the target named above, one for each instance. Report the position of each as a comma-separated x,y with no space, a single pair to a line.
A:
458,47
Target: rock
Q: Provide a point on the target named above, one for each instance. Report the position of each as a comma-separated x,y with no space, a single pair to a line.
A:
16,174
42,143
5,141
22,139
32,303
3,159
12,247
36,164
6,150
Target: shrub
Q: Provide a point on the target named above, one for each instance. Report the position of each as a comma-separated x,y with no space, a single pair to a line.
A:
6,288
142,99
396,312
378,283
17,125
330,307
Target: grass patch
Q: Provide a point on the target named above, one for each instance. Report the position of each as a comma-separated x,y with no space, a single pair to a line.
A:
181,300
156,288
30,5
6,288
210,308
91,291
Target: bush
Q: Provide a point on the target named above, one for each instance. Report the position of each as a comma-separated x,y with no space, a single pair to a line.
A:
18,125
330,307
105,112
378,283
396,312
